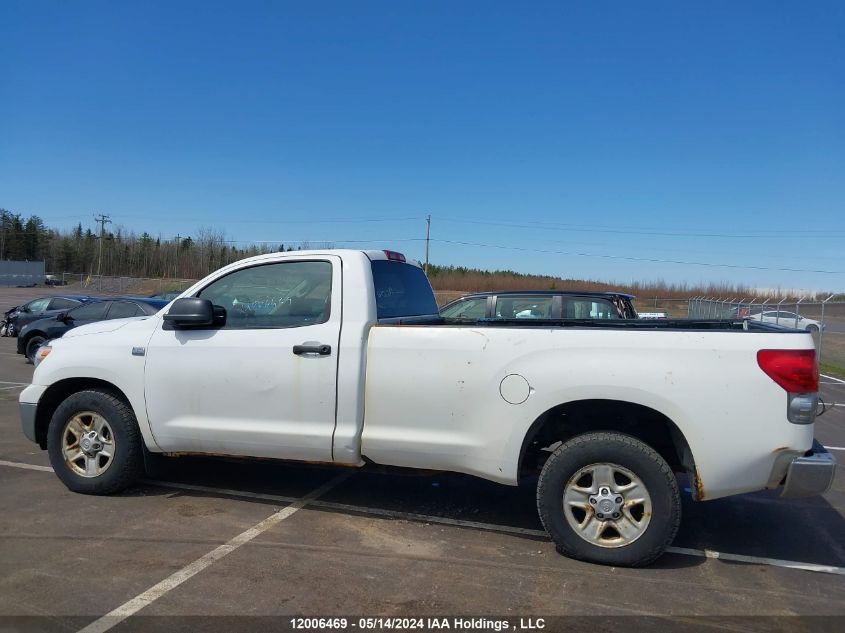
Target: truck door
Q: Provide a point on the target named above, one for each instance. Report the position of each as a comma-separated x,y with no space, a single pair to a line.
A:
264,383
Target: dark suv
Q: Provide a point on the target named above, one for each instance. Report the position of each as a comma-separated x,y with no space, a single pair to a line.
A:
540,304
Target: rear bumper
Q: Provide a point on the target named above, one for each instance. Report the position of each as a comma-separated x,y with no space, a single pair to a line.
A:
811,474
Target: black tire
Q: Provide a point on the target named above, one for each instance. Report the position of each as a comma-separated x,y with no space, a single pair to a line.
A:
812,329
32,345
127,463
633,455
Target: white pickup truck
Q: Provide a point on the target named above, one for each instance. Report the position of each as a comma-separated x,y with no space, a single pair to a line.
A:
340,357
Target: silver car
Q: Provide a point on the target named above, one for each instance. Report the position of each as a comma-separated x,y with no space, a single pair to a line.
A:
788,319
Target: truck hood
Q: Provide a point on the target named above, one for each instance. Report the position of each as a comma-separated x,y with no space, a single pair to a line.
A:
101,326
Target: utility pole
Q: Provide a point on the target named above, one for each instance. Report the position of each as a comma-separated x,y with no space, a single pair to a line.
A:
178,245
103,220
427,239
2,235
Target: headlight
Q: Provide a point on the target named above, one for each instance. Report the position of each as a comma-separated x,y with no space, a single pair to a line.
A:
42,353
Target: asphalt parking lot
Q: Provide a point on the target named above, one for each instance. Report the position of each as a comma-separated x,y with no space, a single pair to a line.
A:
210,537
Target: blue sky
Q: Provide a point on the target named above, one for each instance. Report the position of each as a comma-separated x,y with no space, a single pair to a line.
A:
692,132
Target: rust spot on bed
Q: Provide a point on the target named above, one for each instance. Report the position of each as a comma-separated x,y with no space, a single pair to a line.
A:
699,487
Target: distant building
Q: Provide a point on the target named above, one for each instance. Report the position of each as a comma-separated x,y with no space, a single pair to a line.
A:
21,273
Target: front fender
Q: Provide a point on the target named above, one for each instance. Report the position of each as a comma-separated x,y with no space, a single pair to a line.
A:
105,357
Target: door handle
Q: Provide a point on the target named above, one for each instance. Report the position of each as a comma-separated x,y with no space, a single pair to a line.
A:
312,348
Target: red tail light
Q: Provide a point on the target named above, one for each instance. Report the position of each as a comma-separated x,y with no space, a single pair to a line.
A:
394,256
795,370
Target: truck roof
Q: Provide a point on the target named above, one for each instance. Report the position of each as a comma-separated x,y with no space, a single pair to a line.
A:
372,254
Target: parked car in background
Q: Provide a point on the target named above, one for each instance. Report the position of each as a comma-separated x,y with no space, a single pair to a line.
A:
35,334
41,308
53,280
788,319
542,304
167,296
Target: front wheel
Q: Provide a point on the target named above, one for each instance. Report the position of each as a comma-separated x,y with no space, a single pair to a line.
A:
812,329
609,498
94,443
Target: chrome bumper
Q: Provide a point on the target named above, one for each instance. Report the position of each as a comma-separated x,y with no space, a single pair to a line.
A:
28,420
810,474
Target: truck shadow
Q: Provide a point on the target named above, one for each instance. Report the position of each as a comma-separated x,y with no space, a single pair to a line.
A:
760,524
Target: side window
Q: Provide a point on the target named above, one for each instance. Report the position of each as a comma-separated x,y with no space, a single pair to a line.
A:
582,308
39,305
89,312
470,310
59,303
123,309
287,294
527,307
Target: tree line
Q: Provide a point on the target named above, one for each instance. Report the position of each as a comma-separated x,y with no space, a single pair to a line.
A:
129,254
122,252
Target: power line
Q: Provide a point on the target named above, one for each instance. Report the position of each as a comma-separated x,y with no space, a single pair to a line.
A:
294,221
537,250
104,219
637,259
576,228
570,227
291,241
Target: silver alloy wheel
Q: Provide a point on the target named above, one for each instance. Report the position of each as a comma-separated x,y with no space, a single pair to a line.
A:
607,505
88,444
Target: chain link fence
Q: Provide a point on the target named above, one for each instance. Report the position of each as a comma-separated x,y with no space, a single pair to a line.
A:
102,284
825,320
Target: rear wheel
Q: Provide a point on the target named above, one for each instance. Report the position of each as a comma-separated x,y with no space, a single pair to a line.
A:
609,498
32,346
94,443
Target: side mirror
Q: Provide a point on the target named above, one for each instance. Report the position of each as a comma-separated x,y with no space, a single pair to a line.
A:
192,312
63,317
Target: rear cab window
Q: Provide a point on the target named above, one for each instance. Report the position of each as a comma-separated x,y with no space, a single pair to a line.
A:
402,290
